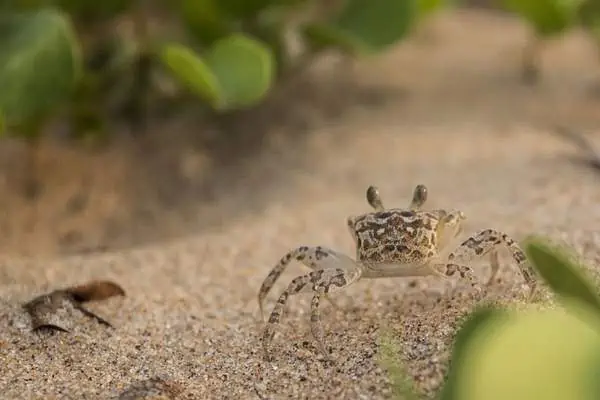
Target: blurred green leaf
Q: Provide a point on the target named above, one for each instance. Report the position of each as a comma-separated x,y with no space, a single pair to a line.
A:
270,27
478,319
192,72
552,355
249,9
244,69
203,20
87,10
236,72
364,26
547,17
389,358
243,8
565,278
430,6
84,9
589,15
39,63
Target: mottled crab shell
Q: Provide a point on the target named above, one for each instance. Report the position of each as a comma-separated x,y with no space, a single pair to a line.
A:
395,236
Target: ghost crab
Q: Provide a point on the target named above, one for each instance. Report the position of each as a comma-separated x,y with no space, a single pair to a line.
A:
390,243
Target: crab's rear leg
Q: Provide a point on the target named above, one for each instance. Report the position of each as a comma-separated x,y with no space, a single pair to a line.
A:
313,257
320,282
495,264
489,241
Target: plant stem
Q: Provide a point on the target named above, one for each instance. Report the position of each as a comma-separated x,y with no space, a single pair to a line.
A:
137,104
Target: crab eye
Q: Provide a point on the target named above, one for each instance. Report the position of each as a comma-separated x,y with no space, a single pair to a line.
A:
372,194
420,194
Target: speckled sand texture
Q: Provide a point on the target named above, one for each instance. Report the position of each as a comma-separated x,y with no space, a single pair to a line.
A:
190,320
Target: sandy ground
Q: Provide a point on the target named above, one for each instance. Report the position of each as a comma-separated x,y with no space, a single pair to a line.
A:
456,119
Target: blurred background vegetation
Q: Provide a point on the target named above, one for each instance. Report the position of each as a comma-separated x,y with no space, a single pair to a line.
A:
520,353
90,63
92,72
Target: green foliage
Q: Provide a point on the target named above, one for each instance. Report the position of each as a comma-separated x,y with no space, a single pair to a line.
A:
546,17
427,7
88,11
39,64
204,20
364,26
549,354
589,15
460,351
243,8
195,74
567,279
244,69
232,53
389,359
235,72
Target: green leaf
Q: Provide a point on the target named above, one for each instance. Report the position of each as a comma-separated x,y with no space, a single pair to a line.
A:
39,63
249,9
243,8
430,6
84,9
236,72
187,67
552,355
244,69
92,11
566,279
389,358
24,5
547,17
478,320
270,28
204,20
365,26
589,15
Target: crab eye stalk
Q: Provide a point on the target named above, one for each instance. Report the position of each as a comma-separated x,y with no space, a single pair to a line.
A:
373,198
420,195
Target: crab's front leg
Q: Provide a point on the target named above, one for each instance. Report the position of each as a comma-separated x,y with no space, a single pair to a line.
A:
313,257
486,242
320,282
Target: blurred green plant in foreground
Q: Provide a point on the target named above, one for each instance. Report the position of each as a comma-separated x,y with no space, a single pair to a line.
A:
551,353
